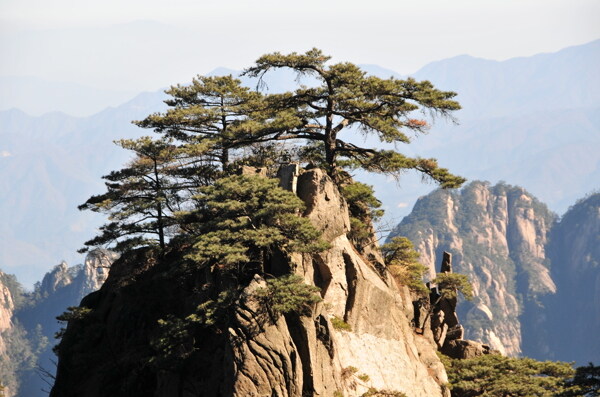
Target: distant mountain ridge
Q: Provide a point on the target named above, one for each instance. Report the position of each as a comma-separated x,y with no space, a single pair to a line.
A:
28,320
51,164
30,94
566,79
572,315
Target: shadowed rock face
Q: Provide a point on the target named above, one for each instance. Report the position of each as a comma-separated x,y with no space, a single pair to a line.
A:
572,318
256,355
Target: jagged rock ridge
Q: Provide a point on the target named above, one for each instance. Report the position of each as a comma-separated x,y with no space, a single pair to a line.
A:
498,236
291,355
536,278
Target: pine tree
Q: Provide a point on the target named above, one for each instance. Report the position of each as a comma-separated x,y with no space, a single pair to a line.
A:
214,120
347,99
209,110
141,198
450,284
402,261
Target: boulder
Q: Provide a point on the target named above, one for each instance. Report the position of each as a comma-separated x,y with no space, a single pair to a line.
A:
463,349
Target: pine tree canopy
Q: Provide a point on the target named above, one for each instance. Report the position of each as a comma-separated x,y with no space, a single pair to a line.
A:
210,109
215,124
347,99
449,284
497,376
142,197
403,263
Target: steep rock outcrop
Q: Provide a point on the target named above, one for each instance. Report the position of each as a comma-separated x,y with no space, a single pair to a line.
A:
572,318
7,307
65,286
257,355
381,344
447,330
498,237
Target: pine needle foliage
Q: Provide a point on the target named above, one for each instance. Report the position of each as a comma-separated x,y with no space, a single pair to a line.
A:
402,260
373,392
346,99
142,197
340,324
240,219
499,376
211,109
586,382
450,284
364,208
287,294
215,124
174,343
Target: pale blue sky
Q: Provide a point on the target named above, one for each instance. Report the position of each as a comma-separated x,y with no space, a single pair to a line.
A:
77,40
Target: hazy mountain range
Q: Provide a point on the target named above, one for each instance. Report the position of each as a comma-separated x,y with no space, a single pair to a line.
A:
530,121
49,164
31,94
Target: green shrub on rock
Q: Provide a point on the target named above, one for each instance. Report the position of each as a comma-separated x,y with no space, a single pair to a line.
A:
401,260
288,294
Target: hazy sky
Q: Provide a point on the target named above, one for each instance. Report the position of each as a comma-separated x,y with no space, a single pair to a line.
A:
95,43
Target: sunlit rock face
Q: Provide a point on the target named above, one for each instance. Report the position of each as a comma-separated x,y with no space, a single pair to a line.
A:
382,344
79,280
498,237
7,307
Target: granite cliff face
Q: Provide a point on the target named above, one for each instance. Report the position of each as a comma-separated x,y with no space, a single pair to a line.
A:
108,351
28,320
7,307
498,237
536,277
573,313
